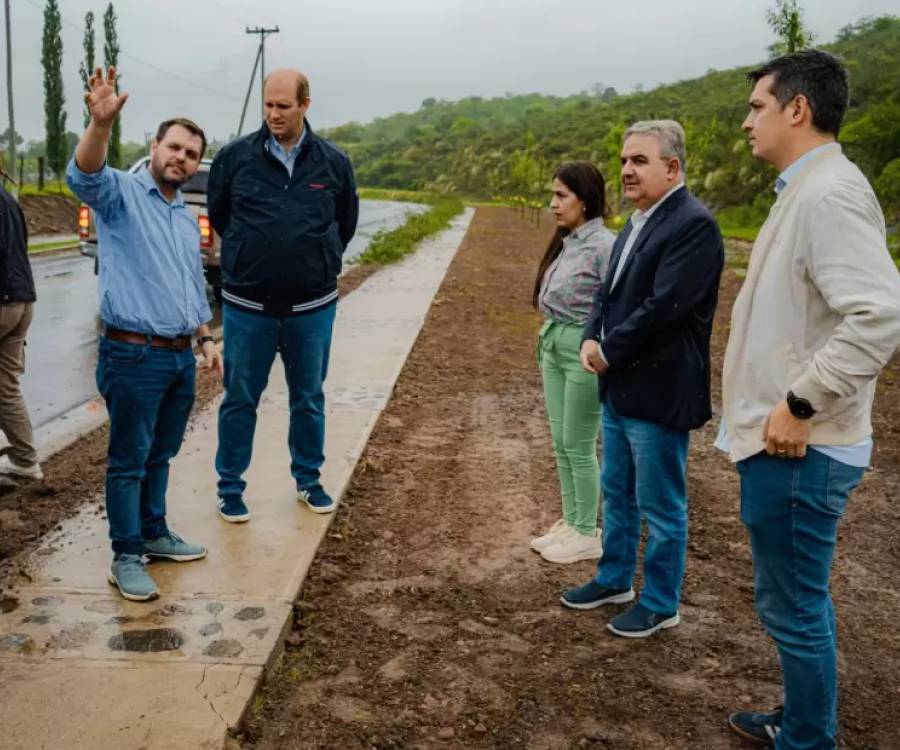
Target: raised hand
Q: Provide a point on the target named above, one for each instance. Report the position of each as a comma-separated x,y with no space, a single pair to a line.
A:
102,100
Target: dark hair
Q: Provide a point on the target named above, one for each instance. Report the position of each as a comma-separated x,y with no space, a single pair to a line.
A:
188,125
818,76
585,180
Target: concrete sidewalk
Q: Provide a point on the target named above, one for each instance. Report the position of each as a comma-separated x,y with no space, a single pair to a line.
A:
82,668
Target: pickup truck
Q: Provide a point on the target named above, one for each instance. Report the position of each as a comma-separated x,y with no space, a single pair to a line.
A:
194,192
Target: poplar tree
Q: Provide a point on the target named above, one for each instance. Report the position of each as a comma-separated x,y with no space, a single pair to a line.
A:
110,60
54,98
86,66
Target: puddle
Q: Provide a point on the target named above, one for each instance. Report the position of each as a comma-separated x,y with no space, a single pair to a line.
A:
47,601
250,613
224,649
37,619
213,628
17,642
170,610
214,608
8,604
72,637
103,607
259,633
147,641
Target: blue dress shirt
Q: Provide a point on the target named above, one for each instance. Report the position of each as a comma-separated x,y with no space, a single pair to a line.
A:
285,157
151,275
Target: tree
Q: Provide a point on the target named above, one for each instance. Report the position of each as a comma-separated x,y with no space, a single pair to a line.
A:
786,20
111,60
6,137
54,98
86,66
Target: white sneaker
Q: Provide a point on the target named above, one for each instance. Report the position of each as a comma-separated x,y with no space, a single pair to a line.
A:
541,543
8,466
574,546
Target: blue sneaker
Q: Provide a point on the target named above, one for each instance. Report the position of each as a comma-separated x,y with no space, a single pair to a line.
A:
759,728
233,510
592,595
127,572
316,499
639,622
172,547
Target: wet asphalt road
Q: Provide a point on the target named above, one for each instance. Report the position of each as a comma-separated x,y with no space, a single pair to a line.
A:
61,353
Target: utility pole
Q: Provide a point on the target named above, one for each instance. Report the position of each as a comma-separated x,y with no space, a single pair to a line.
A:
261,60
249,89
9,95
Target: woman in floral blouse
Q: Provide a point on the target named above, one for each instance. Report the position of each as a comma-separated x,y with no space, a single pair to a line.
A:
568,278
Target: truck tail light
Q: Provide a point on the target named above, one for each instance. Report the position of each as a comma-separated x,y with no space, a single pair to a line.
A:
84,222
206,238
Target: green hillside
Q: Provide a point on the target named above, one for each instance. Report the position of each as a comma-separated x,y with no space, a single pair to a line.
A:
507,147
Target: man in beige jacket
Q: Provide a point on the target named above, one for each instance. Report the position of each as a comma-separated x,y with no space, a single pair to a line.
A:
817,319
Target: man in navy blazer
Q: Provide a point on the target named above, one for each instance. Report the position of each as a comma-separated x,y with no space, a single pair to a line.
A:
648,339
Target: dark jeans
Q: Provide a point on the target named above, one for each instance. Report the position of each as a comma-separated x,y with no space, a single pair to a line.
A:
251,341
643,479
149,393
791,508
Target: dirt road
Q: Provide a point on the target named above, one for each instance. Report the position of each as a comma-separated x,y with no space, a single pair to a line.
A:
426,621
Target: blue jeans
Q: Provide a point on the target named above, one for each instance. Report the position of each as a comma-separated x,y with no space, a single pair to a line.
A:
643,480
149,393
791,508
251,341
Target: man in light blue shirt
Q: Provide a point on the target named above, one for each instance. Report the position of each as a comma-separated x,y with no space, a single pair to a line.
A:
816,321
152,299
858,454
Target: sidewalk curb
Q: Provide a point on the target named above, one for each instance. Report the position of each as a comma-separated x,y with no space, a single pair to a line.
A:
232,612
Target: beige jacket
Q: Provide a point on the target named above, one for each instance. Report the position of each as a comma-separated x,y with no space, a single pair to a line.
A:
819,311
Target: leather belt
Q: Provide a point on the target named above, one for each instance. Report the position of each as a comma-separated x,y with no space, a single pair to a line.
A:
130,337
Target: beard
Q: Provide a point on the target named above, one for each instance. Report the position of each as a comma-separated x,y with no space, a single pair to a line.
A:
158,170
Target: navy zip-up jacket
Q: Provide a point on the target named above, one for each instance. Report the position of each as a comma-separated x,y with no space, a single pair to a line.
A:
283,236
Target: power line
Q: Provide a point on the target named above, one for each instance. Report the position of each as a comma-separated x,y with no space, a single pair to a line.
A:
141,61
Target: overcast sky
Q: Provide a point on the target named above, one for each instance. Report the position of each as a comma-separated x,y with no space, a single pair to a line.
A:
367,59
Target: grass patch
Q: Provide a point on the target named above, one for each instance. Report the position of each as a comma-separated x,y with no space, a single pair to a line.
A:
739,232
43,247
49,189
390,246
893,243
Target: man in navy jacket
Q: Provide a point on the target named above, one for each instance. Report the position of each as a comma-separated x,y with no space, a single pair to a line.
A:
284,202
648,339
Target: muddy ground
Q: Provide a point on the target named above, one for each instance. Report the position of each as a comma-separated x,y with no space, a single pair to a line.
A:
50,214
426,621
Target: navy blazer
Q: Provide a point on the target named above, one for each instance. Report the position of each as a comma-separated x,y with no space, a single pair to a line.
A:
658,318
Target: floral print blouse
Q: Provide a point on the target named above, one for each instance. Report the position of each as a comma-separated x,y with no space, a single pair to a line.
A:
571,282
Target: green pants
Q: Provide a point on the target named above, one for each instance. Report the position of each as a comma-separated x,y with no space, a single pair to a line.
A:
573,406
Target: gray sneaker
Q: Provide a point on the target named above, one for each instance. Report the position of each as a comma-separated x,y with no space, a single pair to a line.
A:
127,572
173,547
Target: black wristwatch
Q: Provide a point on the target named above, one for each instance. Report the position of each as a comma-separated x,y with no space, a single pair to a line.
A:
203,339
800,407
